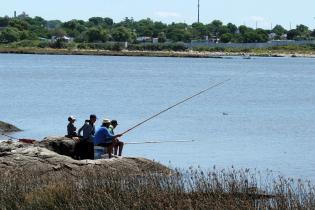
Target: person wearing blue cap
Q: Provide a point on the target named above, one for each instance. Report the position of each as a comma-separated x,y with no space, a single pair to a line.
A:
118,145
86,147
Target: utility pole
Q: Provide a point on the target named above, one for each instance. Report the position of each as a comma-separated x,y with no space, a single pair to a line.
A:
198,11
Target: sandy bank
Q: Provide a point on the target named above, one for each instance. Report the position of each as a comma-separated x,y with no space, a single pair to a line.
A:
188,54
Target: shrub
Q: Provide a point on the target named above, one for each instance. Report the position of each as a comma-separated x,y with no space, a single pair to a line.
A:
190,189
158,47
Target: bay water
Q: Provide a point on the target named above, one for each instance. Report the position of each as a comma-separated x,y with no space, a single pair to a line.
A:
263,118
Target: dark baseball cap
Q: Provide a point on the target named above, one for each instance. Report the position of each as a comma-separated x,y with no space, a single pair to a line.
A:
93,116
114,122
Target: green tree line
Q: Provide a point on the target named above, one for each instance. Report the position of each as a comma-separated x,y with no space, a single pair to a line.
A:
102,30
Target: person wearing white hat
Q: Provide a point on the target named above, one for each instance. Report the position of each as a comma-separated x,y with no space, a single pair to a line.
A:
103,138
71,129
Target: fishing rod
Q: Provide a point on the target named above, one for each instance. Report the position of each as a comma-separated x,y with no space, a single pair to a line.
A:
11,137
171,107
160,142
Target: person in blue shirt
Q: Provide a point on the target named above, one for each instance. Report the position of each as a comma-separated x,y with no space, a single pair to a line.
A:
85,148
104,138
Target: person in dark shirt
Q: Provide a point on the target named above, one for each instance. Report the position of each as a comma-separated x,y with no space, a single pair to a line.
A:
88,129
71,129
85,146
118,145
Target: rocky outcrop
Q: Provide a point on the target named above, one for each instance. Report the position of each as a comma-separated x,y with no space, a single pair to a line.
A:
61,145
6,127
41,157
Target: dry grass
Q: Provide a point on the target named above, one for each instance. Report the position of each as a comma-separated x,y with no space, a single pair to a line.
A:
191,189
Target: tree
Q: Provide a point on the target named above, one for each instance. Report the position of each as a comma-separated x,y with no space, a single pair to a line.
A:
179,32
300,33
108,21
279,30
292,34
162,37
53,24
144,27
243,29
4,21
232,28
199,30
9,35
214,28
27,35
123,34
19,24
302,29
74,27
97,21
158,28
256,36
97,35
225,38
59,32
223,30
127,22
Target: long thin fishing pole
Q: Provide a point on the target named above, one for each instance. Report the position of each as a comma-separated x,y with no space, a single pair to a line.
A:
183,101
160,142
11,137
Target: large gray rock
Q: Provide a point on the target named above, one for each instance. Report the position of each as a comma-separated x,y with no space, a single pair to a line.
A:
6,127
60,145
36,157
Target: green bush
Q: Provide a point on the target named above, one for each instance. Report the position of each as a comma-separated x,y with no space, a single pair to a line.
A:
209,49
158,47
43,44
24,43
101,46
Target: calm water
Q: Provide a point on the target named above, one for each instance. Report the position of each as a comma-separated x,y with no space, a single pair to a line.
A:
269,102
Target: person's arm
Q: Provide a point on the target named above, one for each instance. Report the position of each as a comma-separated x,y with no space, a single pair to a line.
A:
80,130
118,135
68,130
111,136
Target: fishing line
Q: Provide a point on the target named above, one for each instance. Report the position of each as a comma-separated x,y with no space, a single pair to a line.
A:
160,142
171,107
11,137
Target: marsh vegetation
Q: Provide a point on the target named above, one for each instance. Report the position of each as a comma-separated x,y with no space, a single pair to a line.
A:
190,189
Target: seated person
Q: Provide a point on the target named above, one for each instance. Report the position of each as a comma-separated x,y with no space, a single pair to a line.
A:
71,129
118,145
103,138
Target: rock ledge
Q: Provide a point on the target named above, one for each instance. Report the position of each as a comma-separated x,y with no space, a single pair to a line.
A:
43,157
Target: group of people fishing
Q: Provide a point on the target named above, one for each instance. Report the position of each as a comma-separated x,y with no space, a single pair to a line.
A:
93,144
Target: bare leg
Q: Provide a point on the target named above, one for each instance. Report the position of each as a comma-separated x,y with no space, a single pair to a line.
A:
121,146
115,149
110,150
116,145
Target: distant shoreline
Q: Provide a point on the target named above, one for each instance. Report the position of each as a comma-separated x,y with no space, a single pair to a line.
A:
181,54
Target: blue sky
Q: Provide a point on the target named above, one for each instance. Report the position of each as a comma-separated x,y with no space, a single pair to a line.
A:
248,12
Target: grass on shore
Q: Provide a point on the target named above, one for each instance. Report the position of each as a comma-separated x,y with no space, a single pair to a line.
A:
192,189
164,50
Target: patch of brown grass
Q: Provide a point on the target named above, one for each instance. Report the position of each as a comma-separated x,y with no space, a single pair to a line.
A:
191,189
